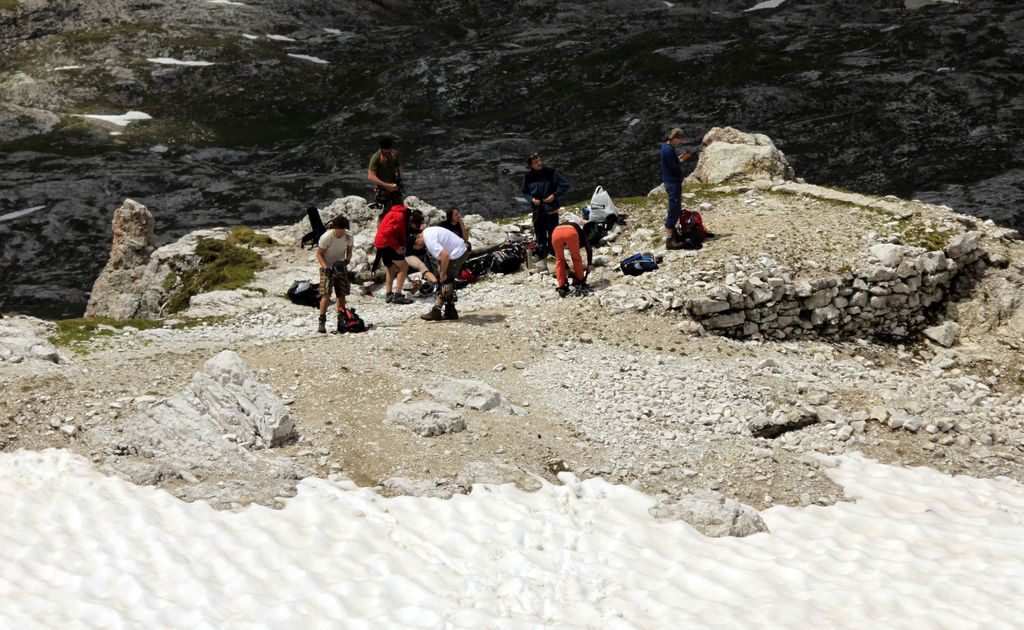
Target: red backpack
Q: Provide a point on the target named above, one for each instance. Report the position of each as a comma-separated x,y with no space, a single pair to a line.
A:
690,233
352,323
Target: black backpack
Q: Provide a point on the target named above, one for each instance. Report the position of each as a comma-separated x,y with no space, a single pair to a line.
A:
316,223
479,265
506,261
305,293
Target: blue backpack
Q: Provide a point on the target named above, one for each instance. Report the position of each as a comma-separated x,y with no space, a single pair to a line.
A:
638,264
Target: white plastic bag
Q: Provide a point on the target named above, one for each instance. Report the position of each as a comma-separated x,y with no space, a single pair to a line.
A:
601,205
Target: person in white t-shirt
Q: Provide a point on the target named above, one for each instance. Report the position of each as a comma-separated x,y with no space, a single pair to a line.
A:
333,252
450,252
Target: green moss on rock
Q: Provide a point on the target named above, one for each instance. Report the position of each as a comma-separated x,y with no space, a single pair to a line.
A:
242,235
222,266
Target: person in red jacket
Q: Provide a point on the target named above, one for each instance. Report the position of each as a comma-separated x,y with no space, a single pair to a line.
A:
390,243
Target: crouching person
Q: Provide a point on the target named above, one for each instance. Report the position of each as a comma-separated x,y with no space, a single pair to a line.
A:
390,244
450,252
570,235
333,252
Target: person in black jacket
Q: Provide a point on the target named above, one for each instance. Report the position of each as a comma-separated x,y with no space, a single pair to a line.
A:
542,187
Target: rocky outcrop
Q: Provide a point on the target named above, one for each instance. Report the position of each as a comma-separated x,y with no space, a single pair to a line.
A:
18,122
20,341
120,291
211,427
712,514
733,156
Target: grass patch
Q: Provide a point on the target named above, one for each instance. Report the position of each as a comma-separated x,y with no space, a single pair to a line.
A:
916,234
632,201
74,333
170,281
512,219
222,266
242,235
102,35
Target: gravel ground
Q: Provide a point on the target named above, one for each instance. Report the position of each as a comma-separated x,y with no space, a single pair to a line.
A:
600,390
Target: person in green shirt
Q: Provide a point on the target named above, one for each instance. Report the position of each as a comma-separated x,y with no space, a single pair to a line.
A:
385,173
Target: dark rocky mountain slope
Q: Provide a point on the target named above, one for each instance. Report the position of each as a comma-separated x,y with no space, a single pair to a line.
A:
875,97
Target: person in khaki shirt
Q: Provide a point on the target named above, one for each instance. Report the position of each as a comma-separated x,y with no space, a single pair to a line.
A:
333,252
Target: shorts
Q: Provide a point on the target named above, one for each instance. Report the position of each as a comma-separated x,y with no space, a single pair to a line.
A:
389,256
337,282
454,270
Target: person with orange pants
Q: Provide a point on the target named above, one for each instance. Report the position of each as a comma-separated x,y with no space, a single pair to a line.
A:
570,235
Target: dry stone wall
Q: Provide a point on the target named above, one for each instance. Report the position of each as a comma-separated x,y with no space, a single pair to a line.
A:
887,296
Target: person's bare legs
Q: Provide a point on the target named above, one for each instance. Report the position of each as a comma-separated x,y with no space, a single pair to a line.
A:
403,271
389,278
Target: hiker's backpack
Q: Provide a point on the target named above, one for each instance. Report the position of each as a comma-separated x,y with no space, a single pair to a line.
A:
638,264
304,293
690,231
352,323
479,265
506,261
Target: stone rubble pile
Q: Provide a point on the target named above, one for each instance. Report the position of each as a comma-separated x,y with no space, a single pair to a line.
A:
888,296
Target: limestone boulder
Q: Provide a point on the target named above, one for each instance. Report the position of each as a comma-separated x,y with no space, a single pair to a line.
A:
495,472
418,487
733,156
22,339
945,334
221,415
426,418
712,514
466,393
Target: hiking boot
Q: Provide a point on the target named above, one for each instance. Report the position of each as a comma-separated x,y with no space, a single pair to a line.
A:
399,298
562,291
390,297
433,315
450,312
322,326
671,243
341,323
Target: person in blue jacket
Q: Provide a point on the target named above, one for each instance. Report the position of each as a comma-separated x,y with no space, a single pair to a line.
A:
542,187
672,177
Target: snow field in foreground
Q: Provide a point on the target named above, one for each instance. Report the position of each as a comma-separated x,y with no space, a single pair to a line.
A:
917,549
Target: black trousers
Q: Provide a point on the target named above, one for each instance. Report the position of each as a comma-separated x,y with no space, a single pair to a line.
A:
543,225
